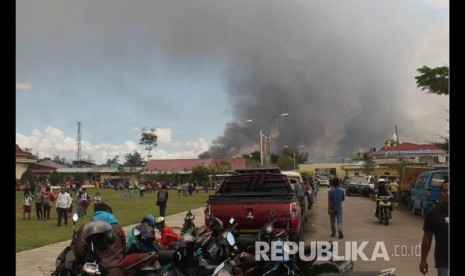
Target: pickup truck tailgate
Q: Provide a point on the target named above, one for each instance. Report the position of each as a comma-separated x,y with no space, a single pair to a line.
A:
253,214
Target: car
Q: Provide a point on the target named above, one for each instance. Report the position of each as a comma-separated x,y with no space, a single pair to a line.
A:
426,190
299,190
310,190
358,185
323,180
309,193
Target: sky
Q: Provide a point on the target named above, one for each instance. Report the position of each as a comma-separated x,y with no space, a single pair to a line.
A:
344,71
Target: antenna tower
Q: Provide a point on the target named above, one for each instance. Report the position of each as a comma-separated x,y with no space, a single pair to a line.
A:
78,154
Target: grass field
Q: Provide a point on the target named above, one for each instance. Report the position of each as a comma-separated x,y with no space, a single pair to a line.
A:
32,233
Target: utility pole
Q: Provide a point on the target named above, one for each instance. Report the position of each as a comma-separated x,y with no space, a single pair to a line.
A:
267,145
398,141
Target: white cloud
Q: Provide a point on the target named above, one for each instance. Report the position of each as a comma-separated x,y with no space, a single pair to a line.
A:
23,85
53,141
164,135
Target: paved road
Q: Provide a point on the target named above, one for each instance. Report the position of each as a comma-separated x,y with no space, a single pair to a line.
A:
399,238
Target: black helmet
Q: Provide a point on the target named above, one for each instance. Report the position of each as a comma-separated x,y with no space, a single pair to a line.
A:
99,232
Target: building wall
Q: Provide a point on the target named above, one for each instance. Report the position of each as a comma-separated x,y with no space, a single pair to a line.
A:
310,168
20,169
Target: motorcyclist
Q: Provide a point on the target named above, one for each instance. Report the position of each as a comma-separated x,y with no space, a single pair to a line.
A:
111,258
188,223
168,236
144,240
382,191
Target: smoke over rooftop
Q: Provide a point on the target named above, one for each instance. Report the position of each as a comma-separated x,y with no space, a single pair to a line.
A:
344,73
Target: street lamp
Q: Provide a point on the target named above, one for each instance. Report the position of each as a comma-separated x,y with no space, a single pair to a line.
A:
293,151
267,138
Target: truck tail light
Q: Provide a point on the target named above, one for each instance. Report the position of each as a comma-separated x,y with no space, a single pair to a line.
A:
293,209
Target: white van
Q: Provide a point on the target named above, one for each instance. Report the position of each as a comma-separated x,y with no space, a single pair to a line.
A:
293,175
296,176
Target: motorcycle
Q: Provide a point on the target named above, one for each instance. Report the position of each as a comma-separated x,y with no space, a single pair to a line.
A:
189,226
65,262
202,255
141,239
99,235
245,262
385,209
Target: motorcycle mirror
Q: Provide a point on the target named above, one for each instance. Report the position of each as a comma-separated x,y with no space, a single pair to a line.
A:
272,213
231,221
230,238
75,217
269,228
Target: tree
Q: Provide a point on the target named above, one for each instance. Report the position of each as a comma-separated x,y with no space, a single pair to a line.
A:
274,158
435,80
110,161
149,139
59,159
28,176
252,160
89,159
134,159
200,173
220,166
55,178
368,164
286,160
400,165
79,178
30,155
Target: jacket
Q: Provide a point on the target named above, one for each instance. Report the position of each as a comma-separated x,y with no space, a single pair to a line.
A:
112,257
168,236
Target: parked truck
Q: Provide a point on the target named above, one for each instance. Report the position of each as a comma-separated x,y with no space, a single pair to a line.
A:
407,180
250,195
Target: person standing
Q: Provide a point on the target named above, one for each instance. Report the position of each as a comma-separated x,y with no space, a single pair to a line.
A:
85,201
38,201
46,203
335,199
27,187
437,223
63,202
141,190
96,200
394,187
162,199
27,206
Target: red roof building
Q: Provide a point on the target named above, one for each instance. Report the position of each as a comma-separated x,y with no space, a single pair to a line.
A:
186,165
431,154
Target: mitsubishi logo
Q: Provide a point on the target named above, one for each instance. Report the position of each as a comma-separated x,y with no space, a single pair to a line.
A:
249,215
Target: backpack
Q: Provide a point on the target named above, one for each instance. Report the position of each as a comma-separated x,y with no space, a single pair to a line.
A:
161,196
